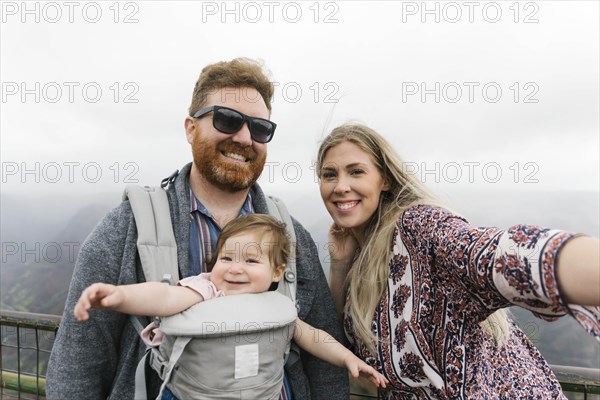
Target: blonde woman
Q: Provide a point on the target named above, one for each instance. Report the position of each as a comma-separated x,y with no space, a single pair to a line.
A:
422,292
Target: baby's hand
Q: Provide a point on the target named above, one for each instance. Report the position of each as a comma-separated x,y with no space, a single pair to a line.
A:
357,367
99,295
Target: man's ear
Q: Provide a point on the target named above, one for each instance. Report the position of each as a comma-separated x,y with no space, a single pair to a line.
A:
190,129
278,272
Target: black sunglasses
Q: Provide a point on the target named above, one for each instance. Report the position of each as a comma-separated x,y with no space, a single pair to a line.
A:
228,120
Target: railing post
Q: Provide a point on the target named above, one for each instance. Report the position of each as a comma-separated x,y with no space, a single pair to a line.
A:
19,359
1,369
37,362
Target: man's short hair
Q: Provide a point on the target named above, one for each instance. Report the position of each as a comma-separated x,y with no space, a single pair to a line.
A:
238,73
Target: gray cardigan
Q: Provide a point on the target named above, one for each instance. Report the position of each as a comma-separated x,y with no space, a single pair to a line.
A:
96,359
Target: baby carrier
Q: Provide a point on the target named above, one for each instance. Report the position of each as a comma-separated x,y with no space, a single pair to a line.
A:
231,347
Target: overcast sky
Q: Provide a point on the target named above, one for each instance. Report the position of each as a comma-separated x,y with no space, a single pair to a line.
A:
477,94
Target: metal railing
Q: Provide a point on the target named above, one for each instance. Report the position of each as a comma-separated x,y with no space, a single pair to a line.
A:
25,345
27,338
578,380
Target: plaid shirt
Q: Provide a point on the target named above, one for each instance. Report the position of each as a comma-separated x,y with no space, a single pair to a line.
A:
204,232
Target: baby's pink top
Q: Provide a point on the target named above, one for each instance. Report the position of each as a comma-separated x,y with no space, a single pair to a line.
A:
203,285
152,335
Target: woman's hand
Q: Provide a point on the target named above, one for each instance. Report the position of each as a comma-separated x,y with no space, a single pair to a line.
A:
342,250
342,245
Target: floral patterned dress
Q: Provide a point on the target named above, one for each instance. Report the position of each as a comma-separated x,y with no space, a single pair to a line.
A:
445,278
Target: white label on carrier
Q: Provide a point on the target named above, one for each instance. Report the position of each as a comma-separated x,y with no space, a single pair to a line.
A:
246,360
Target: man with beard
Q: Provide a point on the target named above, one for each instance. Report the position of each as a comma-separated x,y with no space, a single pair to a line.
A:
228,127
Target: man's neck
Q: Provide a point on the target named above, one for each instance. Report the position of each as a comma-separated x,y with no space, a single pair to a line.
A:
223,205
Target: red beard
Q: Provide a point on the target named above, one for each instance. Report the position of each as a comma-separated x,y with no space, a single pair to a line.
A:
227,176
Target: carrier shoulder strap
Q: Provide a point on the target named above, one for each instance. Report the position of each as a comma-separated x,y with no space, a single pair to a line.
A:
278,210
157,249
156,242
287,286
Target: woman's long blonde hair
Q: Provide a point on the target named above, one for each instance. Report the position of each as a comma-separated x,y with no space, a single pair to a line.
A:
368,277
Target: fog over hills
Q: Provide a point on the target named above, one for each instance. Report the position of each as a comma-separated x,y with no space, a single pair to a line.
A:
40,241
27,218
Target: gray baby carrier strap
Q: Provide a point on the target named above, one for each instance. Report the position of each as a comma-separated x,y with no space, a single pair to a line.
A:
156,242
278,210
158,255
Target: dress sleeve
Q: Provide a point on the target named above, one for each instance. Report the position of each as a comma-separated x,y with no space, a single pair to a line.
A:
524,272
499,268
201,284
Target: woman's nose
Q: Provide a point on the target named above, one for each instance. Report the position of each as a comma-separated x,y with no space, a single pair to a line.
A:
341,187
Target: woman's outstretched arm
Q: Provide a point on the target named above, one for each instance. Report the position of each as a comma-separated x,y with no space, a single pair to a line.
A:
578,271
